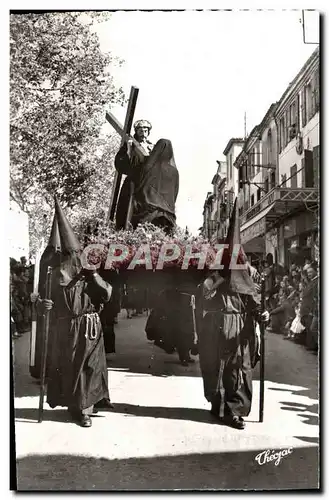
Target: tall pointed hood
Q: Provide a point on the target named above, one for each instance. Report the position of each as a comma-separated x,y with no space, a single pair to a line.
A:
54,239
70,264
54,243
68,241
50,255
237,280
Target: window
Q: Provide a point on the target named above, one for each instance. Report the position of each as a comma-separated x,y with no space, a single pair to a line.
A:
298,112
316,91
287,124
308,166
272,179
303,106
230,161
266,185
269,148
309,101
241,177
284,180
252,163
292,129
316,164
257,160
293,114
282,132
252,200
258,194
293,176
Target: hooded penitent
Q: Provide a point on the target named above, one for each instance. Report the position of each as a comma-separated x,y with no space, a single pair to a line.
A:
77,374
227,345
236,280
70,264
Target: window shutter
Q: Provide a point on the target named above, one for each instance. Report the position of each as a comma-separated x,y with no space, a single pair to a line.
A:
303,172
309,177
286,136
293,175
316,91
283,180
316,161
304,106
297,112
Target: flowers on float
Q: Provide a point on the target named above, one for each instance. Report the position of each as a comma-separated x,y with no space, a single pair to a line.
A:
149,247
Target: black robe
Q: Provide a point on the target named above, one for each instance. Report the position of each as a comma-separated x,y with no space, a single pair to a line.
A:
228,351
78,372
171,323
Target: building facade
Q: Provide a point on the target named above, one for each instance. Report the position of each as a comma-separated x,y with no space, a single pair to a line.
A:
214,209
257,166
279,175
298,124
231,151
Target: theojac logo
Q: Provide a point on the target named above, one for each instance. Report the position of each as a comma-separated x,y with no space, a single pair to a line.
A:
270,456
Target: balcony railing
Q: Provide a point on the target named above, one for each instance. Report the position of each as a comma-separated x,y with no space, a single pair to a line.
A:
281,194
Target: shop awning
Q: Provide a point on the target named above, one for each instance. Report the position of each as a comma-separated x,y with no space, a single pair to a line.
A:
259,216
256,226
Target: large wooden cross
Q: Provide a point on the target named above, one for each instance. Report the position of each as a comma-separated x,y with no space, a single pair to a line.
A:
124,132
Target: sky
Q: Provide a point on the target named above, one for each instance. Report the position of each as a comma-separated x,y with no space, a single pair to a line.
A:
197,74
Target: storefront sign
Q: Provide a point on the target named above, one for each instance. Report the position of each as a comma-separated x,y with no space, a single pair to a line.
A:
252,212
256,229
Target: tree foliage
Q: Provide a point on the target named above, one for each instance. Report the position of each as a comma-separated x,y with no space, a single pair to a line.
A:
60,86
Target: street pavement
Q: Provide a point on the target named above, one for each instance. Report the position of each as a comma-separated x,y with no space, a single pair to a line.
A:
161,436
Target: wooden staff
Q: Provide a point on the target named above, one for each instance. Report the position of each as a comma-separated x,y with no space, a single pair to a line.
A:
45,345
33,336
262,356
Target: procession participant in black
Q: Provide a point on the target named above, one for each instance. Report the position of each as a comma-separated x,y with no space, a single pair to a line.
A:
231,307
111,309
77,374
174,322
129,161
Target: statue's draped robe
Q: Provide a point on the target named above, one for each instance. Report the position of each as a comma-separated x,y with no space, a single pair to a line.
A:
156,183
156,193
78,372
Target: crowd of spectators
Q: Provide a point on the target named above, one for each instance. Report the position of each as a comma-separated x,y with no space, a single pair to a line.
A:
21,286
292,298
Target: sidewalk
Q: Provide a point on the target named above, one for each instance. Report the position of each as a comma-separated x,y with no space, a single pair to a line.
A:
161,435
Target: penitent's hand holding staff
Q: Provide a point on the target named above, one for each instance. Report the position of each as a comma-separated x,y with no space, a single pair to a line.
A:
45,345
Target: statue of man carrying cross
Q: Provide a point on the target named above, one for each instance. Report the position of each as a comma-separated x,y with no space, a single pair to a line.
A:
150,189
129,161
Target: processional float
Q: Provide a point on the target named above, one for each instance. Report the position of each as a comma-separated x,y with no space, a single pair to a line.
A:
39,336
